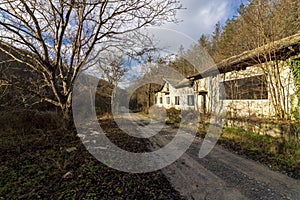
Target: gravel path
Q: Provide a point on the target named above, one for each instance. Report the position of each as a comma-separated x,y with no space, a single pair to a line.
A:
222,174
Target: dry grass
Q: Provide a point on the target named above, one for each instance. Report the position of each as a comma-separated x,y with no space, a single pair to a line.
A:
35,163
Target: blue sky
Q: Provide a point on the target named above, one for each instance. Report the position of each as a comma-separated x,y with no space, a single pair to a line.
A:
200,16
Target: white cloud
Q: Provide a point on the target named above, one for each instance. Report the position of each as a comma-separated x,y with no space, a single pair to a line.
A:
200,16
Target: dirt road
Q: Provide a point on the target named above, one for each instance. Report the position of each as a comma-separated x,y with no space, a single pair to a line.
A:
221,174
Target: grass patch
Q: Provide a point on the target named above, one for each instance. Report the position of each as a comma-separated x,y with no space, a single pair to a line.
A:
35,163
277,153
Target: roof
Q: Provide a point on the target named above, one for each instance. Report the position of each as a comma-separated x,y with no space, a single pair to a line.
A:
184,83
177,83
284,49
173,82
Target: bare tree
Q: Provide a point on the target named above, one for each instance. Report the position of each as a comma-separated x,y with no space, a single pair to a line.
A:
262,29
58,36
112,67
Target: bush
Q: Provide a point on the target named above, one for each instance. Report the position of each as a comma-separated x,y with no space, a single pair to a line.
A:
31,119
174,116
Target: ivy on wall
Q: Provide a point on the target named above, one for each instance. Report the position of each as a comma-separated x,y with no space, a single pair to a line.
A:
295,67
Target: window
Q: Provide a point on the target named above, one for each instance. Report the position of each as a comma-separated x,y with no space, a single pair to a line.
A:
247,88
191,100
177,100
160,100
168,100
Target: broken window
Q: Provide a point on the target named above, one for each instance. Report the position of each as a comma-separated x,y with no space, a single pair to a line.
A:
254,87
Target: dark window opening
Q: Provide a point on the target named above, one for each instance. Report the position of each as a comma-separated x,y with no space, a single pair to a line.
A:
247,88
177,100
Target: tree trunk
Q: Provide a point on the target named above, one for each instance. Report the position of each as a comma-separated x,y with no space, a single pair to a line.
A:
66,108
149,98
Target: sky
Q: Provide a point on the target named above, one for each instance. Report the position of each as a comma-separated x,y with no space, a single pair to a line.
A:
200,16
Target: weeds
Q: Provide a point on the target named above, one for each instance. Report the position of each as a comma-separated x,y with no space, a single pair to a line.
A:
36,165
277,153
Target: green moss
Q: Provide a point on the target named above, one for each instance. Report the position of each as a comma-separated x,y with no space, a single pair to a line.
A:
295,68
297,151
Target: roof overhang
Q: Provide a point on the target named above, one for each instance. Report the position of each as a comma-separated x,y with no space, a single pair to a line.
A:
282,49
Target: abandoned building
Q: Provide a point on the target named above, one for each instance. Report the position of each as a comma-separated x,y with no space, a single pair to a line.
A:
257,83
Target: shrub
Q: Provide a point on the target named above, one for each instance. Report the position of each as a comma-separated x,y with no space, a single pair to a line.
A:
174,116
30,119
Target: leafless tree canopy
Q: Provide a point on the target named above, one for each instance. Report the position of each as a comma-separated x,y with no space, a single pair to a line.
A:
57,36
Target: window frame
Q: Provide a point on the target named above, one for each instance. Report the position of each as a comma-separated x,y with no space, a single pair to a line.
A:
168,100
191,100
